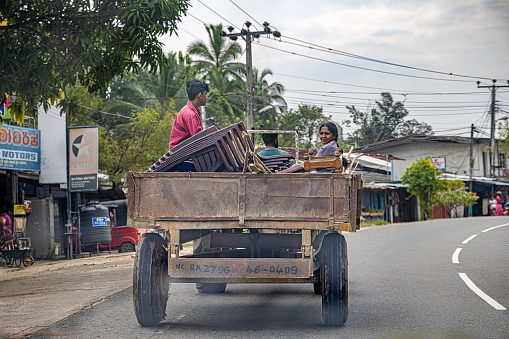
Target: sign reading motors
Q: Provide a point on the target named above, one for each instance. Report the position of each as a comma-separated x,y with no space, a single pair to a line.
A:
83,159
20,148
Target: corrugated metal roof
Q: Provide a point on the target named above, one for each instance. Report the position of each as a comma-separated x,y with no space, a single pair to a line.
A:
416,138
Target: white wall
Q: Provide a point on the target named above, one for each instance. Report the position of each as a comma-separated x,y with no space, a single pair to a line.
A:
457,155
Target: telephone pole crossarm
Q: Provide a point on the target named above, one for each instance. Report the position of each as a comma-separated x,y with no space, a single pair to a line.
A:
248,37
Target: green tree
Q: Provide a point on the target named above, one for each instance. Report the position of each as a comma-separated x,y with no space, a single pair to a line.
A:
134,92
383,122
454,194
423,182
49,45
135,145
216,63
219,54
306,119
267,94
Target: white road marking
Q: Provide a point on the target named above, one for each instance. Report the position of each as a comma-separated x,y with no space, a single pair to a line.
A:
480,293
455,256
492,228
468,239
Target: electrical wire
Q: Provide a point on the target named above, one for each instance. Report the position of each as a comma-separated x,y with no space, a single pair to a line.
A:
200,20
191,34
102,112
361,68
392,91
219,15
246,13
338,52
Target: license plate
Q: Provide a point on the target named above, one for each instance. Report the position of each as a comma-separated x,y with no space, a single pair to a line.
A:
239,268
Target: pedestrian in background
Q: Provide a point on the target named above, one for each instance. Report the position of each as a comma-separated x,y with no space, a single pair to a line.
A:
493,205
498,210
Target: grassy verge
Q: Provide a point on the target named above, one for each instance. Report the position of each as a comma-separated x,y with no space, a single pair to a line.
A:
376,222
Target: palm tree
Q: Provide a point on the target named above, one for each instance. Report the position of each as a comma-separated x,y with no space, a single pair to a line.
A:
219,55
217,64
266,94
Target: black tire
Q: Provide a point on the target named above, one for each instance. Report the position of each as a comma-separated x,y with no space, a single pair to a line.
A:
211,288
150,284
28,261
334,280
317,286
127,247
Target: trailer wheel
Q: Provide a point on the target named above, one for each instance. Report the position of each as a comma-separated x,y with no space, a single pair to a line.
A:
334,280
211,288
317,286
150,285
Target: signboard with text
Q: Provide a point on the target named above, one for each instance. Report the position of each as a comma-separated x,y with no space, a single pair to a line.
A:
83,159
439,163
20,148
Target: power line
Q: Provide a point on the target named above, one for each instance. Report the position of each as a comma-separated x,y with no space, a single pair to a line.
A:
219,15
361,68
338,52
102,112
200,20
393,91
191,34
246,13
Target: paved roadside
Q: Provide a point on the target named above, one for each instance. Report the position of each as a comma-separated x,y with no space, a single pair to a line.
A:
35,297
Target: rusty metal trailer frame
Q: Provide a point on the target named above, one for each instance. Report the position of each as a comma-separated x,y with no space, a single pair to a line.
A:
284,212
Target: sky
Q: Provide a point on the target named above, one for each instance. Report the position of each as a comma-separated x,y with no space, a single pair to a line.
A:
455,43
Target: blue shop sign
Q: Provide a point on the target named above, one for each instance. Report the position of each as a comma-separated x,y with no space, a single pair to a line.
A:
20,148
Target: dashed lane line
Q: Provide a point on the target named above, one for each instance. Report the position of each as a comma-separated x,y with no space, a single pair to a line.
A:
455,256
466,279
480,293
469,238
492,228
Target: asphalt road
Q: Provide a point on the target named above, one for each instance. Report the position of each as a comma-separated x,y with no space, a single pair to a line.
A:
405,281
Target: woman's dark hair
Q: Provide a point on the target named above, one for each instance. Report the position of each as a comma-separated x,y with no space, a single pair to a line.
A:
193,87
332,128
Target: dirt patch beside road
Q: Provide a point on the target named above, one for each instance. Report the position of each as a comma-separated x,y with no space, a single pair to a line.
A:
36,297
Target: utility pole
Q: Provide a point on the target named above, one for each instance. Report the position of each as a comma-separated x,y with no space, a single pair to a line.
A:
493,89
471,164
248,37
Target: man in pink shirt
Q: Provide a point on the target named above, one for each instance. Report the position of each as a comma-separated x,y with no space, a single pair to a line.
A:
188,122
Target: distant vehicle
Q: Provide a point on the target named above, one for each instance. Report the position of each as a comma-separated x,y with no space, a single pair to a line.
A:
123,238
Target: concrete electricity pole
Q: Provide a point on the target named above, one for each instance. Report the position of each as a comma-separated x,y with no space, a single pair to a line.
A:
493,89
248,37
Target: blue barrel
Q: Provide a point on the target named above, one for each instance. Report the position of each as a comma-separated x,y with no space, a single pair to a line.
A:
95,225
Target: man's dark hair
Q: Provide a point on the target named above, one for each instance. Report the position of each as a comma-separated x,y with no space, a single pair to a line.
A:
269,139
193,87
332,128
